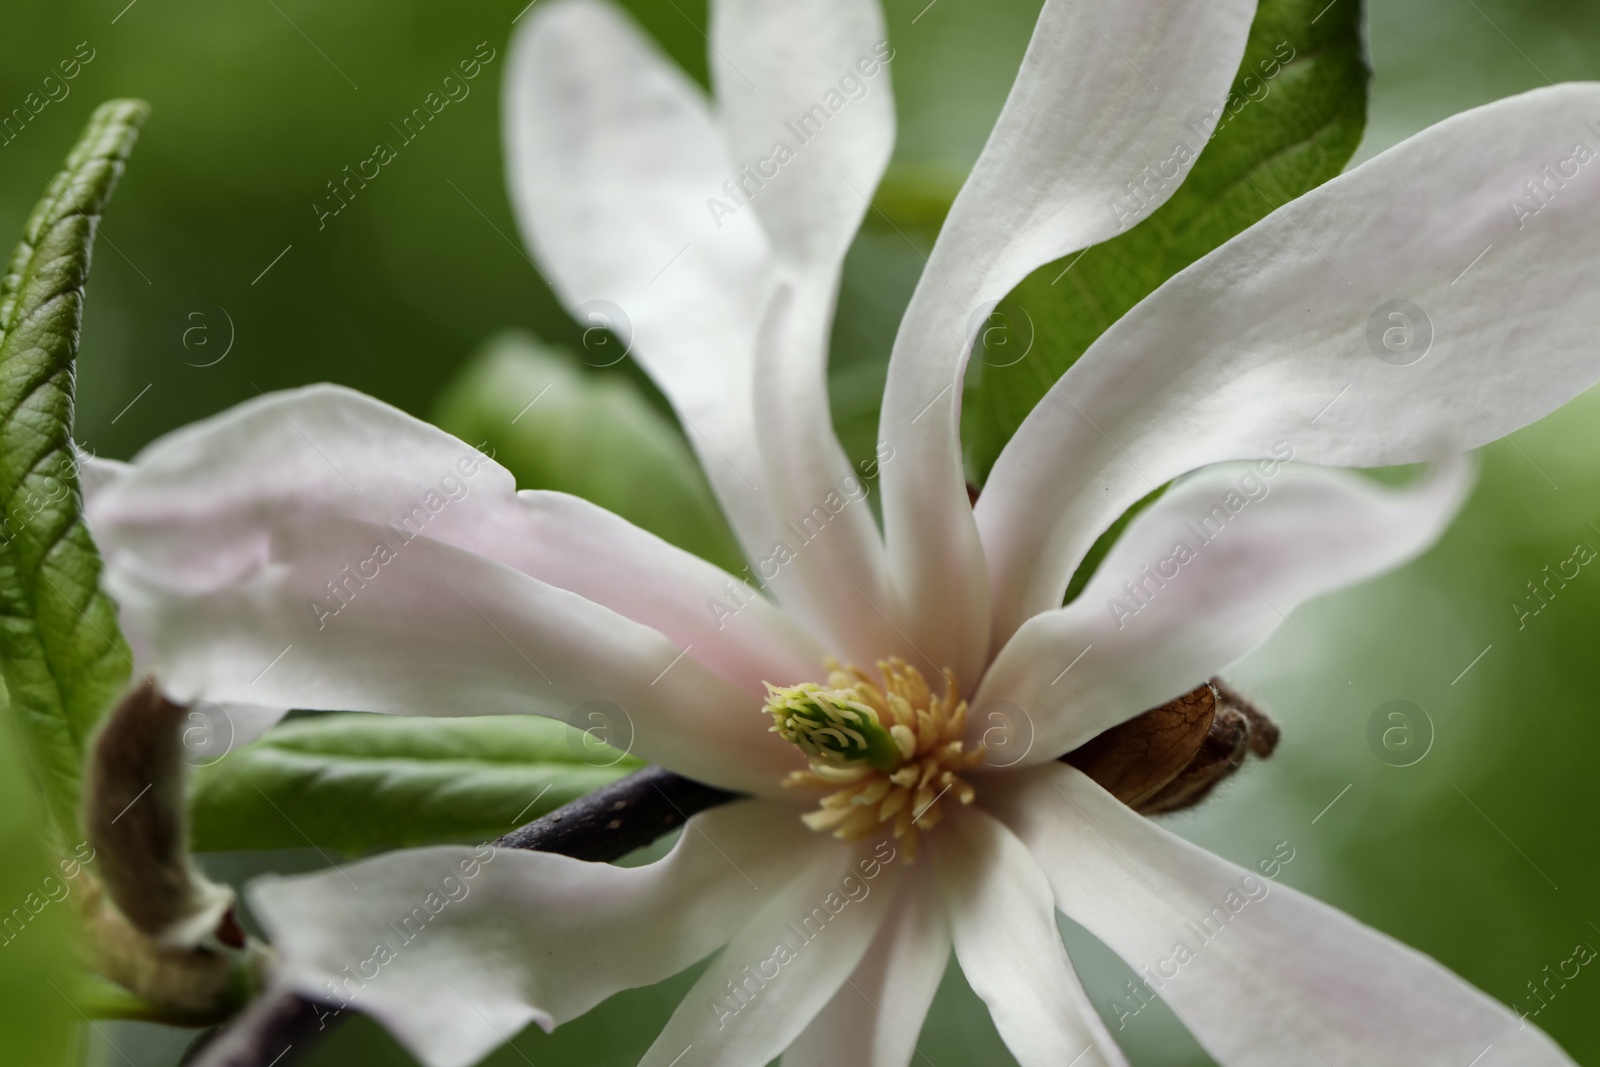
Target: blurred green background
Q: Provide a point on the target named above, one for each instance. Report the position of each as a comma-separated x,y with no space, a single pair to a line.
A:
1480,854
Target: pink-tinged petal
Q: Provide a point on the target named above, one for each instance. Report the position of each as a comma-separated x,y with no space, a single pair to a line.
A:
875,1017
212,729
1104,91
196,505
1262,975
455,949
335,613
1200,578
615,166
785,962
1288,333
1003,920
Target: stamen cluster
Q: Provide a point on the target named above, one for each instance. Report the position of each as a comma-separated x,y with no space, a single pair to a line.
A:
889,753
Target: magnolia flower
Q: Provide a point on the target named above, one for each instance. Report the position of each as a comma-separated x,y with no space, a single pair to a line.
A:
319,549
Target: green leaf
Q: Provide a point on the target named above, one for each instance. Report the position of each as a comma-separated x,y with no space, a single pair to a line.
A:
36,1021
63,658
1295,116
1103,544
357,782
589,433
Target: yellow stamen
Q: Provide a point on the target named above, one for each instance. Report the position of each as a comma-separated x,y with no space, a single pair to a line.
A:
889,753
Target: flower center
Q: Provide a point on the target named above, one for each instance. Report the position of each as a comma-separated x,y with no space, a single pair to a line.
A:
887,753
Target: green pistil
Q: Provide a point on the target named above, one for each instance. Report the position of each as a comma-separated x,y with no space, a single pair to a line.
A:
830,727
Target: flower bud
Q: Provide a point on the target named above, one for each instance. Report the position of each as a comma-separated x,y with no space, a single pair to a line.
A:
136,821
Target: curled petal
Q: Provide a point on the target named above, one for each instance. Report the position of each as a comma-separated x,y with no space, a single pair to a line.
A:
1407,301
1104,90
1200,578
197,505
613,158
784,72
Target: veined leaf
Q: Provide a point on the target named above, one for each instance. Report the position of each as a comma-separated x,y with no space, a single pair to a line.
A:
591,434
62,655
1292,121
357,782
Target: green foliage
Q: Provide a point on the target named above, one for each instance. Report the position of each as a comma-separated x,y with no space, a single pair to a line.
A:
35,1019
61,653
1097,552
1292,121
361,782
593,435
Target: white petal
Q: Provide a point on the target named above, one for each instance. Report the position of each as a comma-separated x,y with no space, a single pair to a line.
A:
433,630
526,936
218,729
1266,340
1276,979
784,964
94,473
197,503
875,1017
782,74
836,552
1105,89
1110,654
1003,920
730,627
614,164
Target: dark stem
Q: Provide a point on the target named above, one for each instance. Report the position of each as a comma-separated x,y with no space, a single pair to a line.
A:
274,1028
616,819
280,1028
